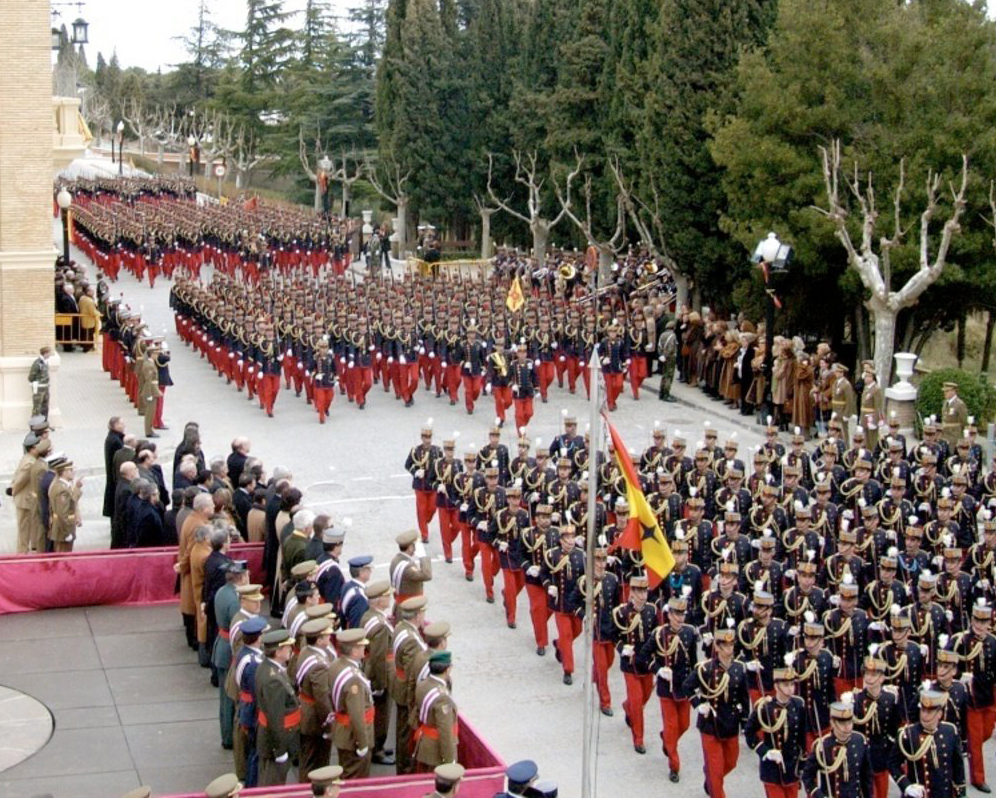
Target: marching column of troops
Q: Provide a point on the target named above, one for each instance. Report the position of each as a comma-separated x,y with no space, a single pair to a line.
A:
154,226
831,607
317,335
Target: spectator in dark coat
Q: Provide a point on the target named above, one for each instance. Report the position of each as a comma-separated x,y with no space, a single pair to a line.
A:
113,442
237,459
242,501
148,517
171,531
127,476
191,444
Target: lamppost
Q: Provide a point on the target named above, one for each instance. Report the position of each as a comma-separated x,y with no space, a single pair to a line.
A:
773,257
324,165
120,147
64,200
191,141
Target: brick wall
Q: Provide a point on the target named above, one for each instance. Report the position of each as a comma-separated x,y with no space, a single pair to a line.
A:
26,128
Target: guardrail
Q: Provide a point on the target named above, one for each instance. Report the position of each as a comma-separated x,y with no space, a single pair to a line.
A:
69,331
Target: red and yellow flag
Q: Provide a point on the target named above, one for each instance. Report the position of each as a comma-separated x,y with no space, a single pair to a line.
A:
515,298
643,533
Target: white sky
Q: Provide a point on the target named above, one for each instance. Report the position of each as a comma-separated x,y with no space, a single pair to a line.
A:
113,26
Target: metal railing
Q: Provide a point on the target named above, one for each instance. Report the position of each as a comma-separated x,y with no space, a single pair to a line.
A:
69,330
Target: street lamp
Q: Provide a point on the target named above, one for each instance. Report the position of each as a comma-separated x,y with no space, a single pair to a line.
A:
80,26
773,257
191,141
120,147
56,39
64,200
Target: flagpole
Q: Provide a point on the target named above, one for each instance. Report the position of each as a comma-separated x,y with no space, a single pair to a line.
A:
594,439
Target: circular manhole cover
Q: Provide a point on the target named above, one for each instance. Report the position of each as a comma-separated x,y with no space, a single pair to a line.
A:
25,727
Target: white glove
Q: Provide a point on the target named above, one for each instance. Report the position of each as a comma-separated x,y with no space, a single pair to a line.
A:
665,673
836,661
466,364
923,649
984,584
924,506
611,560
890,534
774,755
563,359
432,355
402,360
627,650
441,489
371,348
605,361
361,752
534,496
966,678
389,358
949,615
790,573
421,350
704,709
707,638
753,666
281,759
482,526
536,363
552,590
835,599
464,507
515,389
34,387
503,546
352,363
444,364
875,626
380,357
420,473
420,549
533,571
662,359
914,791
794,631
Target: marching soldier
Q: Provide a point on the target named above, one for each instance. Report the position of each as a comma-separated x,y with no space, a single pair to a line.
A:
926,759
634,623
776,731
877,717
420,464
506,528
839,765
523,387
561,569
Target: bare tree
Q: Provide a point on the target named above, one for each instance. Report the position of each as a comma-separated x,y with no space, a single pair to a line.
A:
311,172
607,248
527,174
167,131
394,188
142,120
218,138
875,268
98,116
342,173
648,220
245,157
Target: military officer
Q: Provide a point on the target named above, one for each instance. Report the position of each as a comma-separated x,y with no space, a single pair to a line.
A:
312,677
436,736
63,505
411,567
776,731
279,714
326,781
927,759
378,665
352,701
226,786
954,414
561,569
839,765
405,644
448,777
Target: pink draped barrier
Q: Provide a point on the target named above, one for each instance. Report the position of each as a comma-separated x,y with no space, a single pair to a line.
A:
485,776
90,578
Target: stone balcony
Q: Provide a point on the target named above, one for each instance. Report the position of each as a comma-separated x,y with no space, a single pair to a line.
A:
69,136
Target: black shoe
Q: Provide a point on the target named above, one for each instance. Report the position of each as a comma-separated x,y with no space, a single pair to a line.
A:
227,746
639,749
452,402
469,577
470,412
382,758
511,624
556,653
607,711
490,599
449,560
540,651
152,435
983,788
673,776
568,679
214,678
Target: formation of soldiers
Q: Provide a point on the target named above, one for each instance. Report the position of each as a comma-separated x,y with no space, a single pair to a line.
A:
134,357
154,226
831,605
447,333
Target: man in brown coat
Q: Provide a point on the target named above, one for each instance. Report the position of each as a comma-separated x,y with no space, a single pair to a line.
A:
378,664
405,644
63,504
438,726
314,691
203,507
352,700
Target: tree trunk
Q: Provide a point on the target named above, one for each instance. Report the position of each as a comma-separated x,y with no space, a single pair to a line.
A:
401,229
540,236
681,286
696,298
238,180
160,156
605,261
885,337
486,233
318,198
141,146
345,200
987,344
960,341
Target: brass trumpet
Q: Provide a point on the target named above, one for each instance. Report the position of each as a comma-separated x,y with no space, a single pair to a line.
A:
567,272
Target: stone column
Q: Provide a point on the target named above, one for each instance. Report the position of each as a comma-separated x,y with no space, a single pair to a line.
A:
27,255
901,397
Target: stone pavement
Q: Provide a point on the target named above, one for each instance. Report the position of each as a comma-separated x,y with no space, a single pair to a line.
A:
351,467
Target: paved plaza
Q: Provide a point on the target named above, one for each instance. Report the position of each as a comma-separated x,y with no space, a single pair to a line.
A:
130,703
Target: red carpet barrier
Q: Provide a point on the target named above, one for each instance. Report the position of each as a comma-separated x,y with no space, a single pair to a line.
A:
485,777
88,578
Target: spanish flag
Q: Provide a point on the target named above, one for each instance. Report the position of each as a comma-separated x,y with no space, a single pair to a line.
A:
643,533
515,298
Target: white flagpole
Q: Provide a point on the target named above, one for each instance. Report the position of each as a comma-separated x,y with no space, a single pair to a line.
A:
594,439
